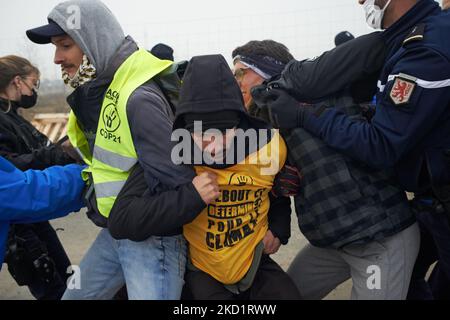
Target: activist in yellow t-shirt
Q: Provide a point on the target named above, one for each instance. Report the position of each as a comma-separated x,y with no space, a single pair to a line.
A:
222,239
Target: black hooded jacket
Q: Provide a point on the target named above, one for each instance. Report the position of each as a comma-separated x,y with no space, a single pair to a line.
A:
137,214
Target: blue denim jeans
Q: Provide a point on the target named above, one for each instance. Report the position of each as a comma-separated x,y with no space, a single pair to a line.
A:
152,269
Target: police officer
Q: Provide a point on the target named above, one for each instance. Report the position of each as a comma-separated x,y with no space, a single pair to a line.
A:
410,131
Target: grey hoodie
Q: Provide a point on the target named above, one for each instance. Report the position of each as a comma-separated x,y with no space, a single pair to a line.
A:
99,34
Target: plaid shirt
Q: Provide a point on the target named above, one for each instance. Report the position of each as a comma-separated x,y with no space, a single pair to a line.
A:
342,201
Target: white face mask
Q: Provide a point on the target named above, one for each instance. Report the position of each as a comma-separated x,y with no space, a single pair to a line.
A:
374,14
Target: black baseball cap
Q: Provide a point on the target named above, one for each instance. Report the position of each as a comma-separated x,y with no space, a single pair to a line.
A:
44,34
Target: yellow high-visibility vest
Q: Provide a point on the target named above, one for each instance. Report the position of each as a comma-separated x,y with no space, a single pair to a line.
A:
114,154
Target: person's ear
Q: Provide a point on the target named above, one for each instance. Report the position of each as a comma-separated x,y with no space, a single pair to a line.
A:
16,81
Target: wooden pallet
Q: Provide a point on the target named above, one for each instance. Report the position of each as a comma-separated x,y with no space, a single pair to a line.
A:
53,125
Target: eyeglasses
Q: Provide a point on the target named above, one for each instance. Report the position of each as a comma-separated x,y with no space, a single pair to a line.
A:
239,73
35,86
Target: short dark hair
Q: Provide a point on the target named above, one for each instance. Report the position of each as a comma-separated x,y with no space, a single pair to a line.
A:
269,48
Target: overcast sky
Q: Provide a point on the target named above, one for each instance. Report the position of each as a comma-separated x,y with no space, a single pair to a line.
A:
197,27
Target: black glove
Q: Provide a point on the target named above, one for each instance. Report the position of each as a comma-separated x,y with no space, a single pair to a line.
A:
280,83
53,155
283,110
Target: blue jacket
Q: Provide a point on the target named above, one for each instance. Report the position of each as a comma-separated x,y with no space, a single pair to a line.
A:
410,132
33,196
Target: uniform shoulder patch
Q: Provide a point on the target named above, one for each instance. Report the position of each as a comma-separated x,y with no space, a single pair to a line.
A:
416,34
402,89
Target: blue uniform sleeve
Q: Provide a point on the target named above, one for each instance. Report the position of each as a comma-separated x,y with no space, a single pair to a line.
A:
395,128
31,196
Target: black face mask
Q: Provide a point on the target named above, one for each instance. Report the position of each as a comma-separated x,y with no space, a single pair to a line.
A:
27,102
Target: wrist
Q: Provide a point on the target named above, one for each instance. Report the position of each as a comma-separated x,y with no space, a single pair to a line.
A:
198,201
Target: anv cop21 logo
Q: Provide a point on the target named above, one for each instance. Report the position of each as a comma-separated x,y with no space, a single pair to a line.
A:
111,118
110,115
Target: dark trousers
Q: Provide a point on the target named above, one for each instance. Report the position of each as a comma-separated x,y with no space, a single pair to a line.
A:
434,247
270,283
43,233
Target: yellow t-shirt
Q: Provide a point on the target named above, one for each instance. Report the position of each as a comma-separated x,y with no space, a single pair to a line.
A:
223,237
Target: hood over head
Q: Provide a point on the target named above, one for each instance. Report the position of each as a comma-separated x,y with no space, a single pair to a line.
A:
90,24
211,94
